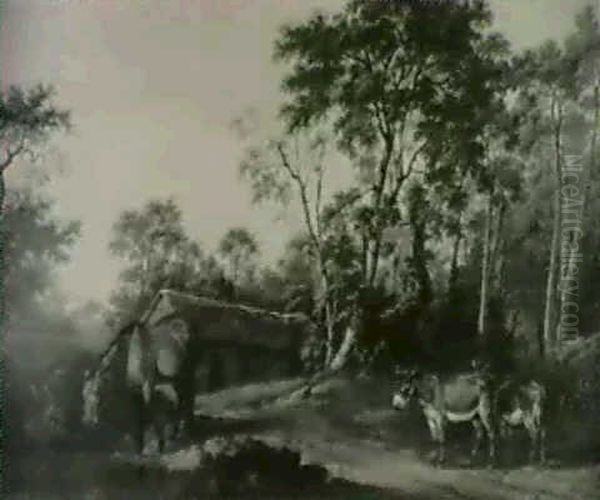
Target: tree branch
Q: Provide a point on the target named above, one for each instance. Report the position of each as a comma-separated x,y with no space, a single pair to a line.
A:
303,198
318,199
11,155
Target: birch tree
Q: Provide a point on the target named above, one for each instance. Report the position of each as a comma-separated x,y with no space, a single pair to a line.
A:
383,78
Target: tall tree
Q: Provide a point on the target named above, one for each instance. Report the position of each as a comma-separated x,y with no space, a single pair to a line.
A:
27,119
390,79
551,90
39,333
294,169
582,54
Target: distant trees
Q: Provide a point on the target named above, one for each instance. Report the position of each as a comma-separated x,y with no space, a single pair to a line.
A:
158,254
238,248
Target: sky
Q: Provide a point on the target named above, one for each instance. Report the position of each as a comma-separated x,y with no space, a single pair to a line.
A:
153,87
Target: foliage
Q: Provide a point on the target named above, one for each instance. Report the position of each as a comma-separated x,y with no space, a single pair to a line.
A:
412,108
37,242
27,118
239,249
40,337
158,254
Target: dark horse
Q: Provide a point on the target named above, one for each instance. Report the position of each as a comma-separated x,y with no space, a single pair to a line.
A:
143,380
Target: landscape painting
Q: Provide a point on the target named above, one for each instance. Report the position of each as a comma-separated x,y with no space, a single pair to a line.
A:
300,249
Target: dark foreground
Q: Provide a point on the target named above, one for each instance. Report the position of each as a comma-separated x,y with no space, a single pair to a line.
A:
347,444
255,472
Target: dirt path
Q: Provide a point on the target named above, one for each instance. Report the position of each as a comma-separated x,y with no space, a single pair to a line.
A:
368,462
325,433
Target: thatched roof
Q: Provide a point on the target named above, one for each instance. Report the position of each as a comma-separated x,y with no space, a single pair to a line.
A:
212,320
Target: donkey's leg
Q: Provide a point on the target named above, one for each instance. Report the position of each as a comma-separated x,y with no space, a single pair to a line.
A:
159,429
485,414
187,394
542,443
139,422
541,433
433,432
478,431
533,432
441,437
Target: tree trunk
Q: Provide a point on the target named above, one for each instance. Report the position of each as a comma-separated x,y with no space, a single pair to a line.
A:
2,251
453,279
485,271
419,258
591,171
341,357
330,330
552,281
338,362
497,253
549,310
541,345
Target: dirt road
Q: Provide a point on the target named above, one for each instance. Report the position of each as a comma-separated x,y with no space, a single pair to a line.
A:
325,432
369,462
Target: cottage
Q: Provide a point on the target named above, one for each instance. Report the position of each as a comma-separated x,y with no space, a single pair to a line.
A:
194,345
231,344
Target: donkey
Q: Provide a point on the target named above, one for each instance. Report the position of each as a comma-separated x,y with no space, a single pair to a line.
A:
154,371
459,398
519,404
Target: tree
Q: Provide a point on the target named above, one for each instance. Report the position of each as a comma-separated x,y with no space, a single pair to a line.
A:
552,80
296,271
392,81
27,119
582,51
293,169
552,92
239,248
39,334
158,253
36,244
